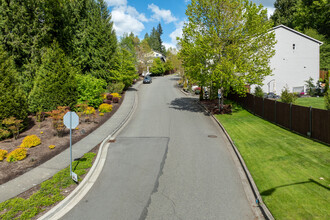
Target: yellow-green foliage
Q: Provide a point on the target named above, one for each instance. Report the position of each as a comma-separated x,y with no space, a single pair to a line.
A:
116,95
3,154
30,141
105,108
17,154
89,111
101,114
51,146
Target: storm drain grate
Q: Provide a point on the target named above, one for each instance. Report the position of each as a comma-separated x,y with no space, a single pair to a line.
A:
212,136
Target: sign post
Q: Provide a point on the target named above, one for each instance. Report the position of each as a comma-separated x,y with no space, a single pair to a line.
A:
71,121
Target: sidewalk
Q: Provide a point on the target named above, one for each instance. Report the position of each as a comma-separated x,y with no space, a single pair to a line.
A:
48,169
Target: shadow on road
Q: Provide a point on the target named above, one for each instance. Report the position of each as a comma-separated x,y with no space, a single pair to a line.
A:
186,104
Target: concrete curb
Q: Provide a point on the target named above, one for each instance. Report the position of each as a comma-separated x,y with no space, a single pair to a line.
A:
263,208
70,201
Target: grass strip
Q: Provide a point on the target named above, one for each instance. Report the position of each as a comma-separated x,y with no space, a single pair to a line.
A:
290,171
50,192
315,102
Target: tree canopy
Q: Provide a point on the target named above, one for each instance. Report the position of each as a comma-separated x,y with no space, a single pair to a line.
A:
226,44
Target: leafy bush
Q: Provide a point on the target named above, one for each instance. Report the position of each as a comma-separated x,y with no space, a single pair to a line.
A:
116,87
13,125
157,67
116,95
90,89
288,97
12,98
105,108
51,146
258,92
327,100
89,111
107,101
115,99
4,134
310,86
30,141
17,154
57,119
55,84
3,154
101,114
109,96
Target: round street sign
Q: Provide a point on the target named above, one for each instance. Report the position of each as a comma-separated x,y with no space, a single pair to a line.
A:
74,120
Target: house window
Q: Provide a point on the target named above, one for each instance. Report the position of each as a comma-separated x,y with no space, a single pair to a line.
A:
294,46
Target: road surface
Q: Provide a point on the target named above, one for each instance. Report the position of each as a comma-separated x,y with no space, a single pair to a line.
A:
170,162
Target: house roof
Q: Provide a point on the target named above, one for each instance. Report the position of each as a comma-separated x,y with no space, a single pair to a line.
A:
297,32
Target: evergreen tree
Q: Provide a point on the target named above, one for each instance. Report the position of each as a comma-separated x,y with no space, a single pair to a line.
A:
95,41
55,84
157,67
12,99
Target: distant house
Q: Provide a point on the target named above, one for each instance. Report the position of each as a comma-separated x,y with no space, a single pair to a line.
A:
154,54
296,59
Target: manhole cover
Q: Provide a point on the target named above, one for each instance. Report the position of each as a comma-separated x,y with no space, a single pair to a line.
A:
212,136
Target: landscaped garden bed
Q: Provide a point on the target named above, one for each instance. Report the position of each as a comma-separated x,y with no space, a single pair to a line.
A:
51,141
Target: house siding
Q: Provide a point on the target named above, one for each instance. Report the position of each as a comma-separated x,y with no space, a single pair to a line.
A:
292,66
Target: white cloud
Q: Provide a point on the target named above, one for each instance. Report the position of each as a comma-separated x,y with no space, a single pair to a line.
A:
176,33
168,45
126,19
161,14
116,2
270,11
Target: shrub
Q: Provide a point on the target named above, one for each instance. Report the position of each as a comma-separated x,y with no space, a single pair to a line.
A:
90,114
107,101
105,108
90,89
3,154
109,96
55,84
327,100
30,141
101,114
51,146
258,92
89,111
13,125
17,154
116,95
57,119
12,98
157,67
288,97
116,87
115,99
4,134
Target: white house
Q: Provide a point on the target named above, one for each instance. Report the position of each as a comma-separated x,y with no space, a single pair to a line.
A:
296,59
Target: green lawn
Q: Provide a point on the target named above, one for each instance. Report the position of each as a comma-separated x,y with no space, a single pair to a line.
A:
292,172
50,192
315,102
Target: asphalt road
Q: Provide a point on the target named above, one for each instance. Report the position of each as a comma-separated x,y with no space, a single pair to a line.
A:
170,162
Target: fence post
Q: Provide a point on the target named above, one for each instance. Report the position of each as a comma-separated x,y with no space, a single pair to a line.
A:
310,121
254,105
275,112
263,107
290,116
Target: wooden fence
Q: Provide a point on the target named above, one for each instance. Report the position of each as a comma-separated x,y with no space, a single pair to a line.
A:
324,74
310,122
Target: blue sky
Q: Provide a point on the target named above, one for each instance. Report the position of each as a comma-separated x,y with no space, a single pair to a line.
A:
140,16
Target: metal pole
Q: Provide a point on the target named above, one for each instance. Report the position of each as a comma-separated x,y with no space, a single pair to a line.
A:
70,144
